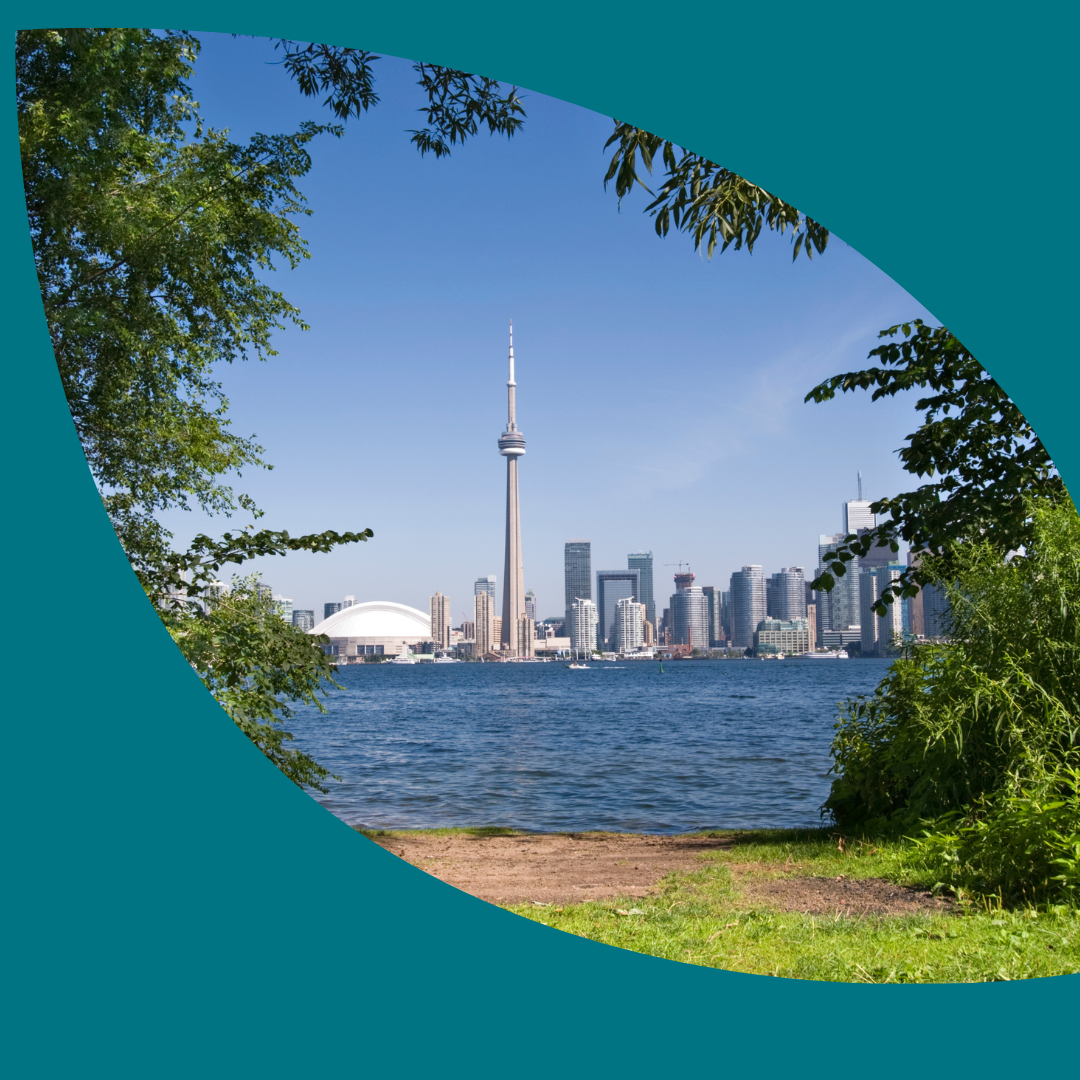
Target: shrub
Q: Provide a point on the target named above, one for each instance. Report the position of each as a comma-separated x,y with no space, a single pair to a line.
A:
976,741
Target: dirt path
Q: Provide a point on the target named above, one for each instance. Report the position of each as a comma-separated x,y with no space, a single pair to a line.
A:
567,868
552,868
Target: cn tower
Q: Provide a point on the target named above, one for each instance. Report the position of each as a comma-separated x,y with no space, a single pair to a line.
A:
512,446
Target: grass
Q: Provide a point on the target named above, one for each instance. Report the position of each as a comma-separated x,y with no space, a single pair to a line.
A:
702,917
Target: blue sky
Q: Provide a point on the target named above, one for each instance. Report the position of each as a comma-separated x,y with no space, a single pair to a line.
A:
661,394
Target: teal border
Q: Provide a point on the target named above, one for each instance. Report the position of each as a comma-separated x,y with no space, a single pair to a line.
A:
237,928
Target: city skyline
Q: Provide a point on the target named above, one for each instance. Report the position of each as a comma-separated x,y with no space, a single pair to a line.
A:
626,336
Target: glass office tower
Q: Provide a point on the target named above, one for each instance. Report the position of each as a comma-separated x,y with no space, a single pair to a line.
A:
577,568
611,587
641,561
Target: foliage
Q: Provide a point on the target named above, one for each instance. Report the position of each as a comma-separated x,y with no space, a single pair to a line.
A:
151,237
986,462
978,739
699,197
458,102
171,577
254,663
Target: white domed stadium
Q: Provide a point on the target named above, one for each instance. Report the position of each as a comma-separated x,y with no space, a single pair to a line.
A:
375,628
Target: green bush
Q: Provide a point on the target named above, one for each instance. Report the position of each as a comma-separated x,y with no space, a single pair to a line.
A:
976,742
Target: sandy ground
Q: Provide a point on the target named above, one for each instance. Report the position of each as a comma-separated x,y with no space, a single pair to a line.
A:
570,868
551,868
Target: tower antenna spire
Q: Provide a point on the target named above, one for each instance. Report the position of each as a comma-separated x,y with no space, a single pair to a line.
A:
512,375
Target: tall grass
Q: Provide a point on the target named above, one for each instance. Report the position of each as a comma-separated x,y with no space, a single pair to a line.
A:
974,744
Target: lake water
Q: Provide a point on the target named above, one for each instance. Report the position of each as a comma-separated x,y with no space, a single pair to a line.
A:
706,744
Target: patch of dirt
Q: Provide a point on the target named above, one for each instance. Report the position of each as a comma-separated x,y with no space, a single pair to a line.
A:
552,868
842,897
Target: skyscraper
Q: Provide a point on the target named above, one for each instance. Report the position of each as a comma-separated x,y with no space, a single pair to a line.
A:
713,605
690,618
303,619
583,620
629,625
440,621
857,514
577,569
641,561
512,446
611,587
485,585
484,608
839,609
747,605
787,594
530,605
880,634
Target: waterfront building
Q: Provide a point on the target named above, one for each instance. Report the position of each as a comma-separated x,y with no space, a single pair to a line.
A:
713,607
725,615
468,630
484,619
530,605
496,633
935,611
841,639
440,621
642,562
648,632
485,585
786,637
747,604
611,587
786,594
303,619
629,625
880,635
374,628
811,620
525,643
333,608
583,622
689,616
512,447
577,573
284,607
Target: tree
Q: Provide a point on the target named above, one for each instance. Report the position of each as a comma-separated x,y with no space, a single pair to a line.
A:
989,467
152,237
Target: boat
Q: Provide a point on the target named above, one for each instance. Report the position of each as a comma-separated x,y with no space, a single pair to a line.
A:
445,660
834,655
575,666
404,658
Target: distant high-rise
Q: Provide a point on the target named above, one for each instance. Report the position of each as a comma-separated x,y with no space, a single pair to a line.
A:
530,605
629,625
856,514
747,605
787,594
611,587
524,644
642,562
485,585
303,619
839,609
689,617
577,570
284,607
713,606
440,621
484,607
880,634
583,622
725,614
